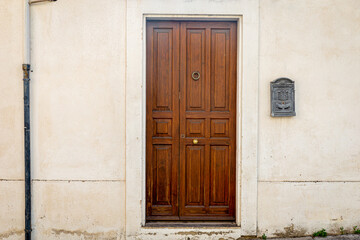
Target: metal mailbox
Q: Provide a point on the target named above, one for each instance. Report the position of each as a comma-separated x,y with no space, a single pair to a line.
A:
282,97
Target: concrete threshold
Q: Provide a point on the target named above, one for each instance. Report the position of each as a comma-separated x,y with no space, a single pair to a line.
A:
190,224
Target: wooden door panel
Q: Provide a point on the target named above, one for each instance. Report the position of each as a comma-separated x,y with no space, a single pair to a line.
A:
219,128
220,72
195,156
162,127
186,180
162,120
219,175
209,48
162,174
162,67
195,94
195,127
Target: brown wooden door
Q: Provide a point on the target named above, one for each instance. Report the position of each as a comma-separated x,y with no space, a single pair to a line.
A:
191,95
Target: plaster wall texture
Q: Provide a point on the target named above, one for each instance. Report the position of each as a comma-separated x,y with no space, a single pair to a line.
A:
78,119
292,209
11,104
78,90
297,174
79,210
12,210
316,44
11,121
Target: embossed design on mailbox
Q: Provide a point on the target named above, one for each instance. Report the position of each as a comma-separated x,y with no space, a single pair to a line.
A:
282,97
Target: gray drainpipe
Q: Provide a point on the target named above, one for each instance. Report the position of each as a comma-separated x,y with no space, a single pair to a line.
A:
26,86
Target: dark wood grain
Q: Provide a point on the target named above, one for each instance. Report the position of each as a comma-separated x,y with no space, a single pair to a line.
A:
162,120
187,181
207,113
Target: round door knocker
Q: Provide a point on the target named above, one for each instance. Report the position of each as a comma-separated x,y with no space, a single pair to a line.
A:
195,75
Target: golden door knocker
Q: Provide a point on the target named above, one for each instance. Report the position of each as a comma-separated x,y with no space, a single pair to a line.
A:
195,141
195,75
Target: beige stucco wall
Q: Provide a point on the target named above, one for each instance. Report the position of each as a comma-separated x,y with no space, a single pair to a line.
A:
78,119
309,165
297,175
11,121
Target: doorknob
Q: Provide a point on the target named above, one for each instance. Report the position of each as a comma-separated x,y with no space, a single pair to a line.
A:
195,141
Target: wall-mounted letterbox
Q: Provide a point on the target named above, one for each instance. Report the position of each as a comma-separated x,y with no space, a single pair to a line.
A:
282,97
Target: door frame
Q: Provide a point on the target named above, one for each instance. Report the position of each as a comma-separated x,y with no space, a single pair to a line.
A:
247,15
204,18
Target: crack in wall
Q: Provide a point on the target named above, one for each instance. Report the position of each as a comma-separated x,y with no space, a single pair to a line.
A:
11,180
75,180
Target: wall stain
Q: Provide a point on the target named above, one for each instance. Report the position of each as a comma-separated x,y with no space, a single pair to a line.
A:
290,231
112,235
230,238
11,233
194,233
